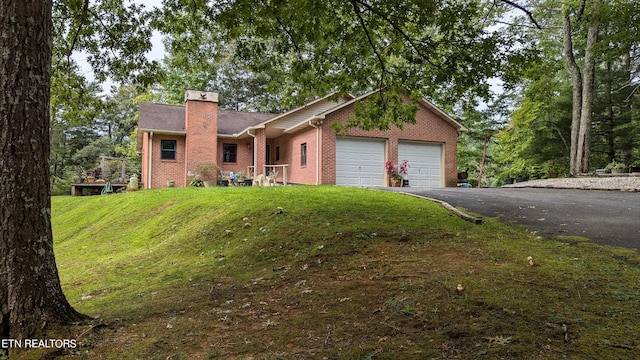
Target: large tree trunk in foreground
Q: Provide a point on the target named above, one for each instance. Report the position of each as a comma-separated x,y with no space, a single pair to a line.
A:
30,293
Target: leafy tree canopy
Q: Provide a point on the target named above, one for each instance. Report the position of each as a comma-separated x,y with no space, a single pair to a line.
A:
115,35
445,51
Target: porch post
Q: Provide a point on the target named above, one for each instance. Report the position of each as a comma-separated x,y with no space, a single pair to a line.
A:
260,149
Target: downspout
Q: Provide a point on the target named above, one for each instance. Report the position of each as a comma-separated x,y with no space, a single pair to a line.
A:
150,159
315,126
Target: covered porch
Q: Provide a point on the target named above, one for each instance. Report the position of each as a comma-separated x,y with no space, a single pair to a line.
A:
281,152
277,173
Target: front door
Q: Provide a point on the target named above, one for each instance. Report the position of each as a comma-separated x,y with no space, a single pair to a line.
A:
267,160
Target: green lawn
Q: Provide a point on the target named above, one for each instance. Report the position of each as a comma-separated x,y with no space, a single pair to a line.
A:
306,272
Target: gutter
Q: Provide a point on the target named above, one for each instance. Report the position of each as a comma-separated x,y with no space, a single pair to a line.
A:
247,130
167,132
150,159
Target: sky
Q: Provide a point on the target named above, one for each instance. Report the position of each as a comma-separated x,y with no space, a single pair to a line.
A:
158,49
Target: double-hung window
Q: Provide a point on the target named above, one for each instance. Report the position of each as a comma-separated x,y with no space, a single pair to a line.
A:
229,153
167,149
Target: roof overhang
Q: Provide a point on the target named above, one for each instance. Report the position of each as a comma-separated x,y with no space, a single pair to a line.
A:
312,121
164,132
345,104
153,132
309,104
274,126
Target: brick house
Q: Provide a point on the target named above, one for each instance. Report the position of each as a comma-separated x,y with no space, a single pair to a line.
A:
300,144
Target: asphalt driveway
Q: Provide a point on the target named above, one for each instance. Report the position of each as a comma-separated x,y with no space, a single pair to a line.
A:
604,217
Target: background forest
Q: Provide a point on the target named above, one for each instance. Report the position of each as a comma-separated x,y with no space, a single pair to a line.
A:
545,87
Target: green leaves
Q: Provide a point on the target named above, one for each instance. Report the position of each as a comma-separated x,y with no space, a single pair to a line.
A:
548,83
381,111
441,49
114,36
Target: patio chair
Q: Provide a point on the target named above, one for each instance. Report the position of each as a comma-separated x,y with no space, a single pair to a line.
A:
107,189
259,180
271,178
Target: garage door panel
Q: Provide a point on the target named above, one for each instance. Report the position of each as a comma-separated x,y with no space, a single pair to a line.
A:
425,161
359,162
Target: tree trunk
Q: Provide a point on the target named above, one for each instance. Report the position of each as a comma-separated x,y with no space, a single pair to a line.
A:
583,84
586,114
610,135
484,157
30,293
576,79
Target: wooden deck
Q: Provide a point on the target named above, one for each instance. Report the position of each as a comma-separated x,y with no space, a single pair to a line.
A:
76,189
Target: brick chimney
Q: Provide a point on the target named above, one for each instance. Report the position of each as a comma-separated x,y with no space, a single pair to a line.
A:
201,125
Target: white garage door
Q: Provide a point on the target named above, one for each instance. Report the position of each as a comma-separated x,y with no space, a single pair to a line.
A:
425,161
359,162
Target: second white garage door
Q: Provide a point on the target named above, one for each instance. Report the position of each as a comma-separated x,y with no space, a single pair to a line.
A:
359,162
425,161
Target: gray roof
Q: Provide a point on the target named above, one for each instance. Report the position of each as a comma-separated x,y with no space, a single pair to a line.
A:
233,122
170,118
161,117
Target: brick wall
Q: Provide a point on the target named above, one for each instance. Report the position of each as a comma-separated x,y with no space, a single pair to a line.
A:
244,155
290,153
260,150
167,170
201,124
428,127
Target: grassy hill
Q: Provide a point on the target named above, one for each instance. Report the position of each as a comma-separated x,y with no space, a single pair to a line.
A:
331,272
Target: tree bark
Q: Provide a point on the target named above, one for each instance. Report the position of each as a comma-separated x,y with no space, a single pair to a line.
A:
576,79
586,114
484,157
610,134
30,293
583,84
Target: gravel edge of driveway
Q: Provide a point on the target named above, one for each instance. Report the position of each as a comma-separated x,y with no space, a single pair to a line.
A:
621,183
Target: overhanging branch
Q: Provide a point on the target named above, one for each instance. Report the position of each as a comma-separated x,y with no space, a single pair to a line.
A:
523,9
383,67
412,41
